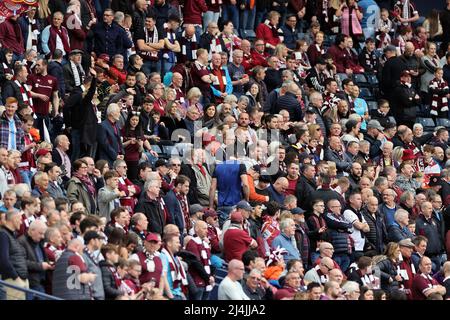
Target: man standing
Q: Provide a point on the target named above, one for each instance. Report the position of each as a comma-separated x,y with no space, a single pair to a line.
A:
172,266
152,206
177,204
44,90
19,88
11,37
405,100
11,131
55,36
37,261
354,216
13,264
108,136
60,157
91,253
149,42
286,240
222,85
74,74
201,76
199,245
237,73
376,236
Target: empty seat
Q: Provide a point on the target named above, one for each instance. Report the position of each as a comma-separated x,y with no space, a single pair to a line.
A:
372,79
249,34
342,76
372,105
360,79
366,94
443,122
427,123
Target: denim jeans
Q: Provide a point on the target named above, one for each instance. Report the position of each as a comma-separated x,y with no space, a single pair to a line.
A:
151,66
343,260
201,294
210,16
231,12
247,20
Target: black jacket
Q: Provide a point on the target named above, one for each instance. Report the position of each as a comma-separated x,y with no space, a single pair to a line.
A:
273,79
377,234
375,145
205,42
303,192
36,274
387,270
404,103
338,232
109,284
152,209
56,69
430,229
13,262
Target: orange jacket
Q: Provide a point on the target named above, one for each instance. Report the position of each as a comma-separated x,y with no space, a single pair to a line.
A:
253,196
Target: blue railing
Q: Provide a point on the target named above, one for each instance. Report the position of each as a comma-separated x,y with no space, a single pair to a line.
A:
30,293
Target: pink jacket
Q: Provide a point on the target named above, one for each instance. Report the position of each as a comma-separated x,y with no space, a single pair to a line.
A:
345,22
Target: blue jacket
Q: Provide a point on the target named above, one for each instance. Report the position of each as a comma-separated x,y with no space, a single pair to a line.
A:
339,232
55,69
111,40
283,241
290,37
109,143
24,24
397,233
174,208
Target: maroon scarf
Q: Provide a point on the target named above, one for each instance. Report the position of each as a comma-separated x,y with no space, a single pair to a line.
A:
62,33
87,183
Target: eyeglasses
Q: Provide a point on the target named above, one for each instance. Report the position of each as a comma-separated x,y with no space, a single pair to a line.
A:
328,268
256,278
122,167
176,164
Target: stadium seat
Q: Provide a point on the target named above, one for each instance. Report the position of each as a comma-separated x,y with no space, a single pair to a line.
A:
443,122
249,35
372,79
427,123
372,105
342,76
366,94
360,79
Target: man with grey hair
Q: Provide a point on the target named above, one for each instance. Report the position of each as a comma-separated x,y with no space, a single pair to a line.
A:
256,286
37,261
60,157
351,290
237,73
286,240
109,137
151,205
290,102
399,229
13,263
139,226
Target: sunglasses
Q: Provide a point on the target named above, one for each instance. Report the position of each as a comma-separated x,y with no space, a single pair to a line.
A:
135,113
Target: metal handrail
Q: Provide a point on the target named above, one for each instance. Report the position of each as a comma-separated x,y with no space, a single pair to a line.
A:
35,293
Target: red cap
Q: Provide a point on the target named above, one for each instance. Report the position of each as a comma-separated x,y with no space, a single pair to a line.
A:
236,216
408,154
42,152
152,237
104,57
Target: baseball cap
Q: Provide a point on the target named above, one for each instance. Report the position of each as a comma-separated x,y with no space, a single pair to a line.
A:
375,124
236,217
406,243
310,110
209,213
194,208
408,154
152,237
244,205
297,211
89,235
104,57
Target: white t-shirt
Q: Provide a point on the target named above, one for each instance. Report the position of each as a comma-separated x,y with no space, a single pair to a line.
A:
231,290
356,235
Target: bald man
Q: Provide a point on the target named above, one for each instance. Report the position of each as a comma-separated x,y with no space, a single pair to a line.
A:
320,273
230,288
277,191
199,246
424,284
375,236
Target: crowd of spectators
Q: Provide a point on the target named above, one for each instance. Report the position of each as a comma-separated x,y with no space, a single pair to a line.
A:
225,149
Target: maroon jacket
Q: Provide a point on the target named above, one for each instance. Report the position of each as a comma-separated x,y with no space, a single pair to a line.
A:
11,36
203,254
341,58
193,10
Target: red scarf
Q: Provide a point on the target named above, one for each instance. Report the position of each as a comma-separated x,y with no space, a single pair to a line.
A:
87,182
63,35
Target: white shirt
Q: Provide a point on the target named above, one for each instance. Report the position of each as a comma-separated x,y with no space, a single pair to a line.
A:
231,290
356,235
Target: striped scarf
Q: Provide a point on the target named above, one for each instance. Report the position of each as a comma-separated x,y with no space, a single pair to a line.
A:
25,91
172,37
192,44
150,38
182,199
7,69
205,255
177,273
33,32
439,90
